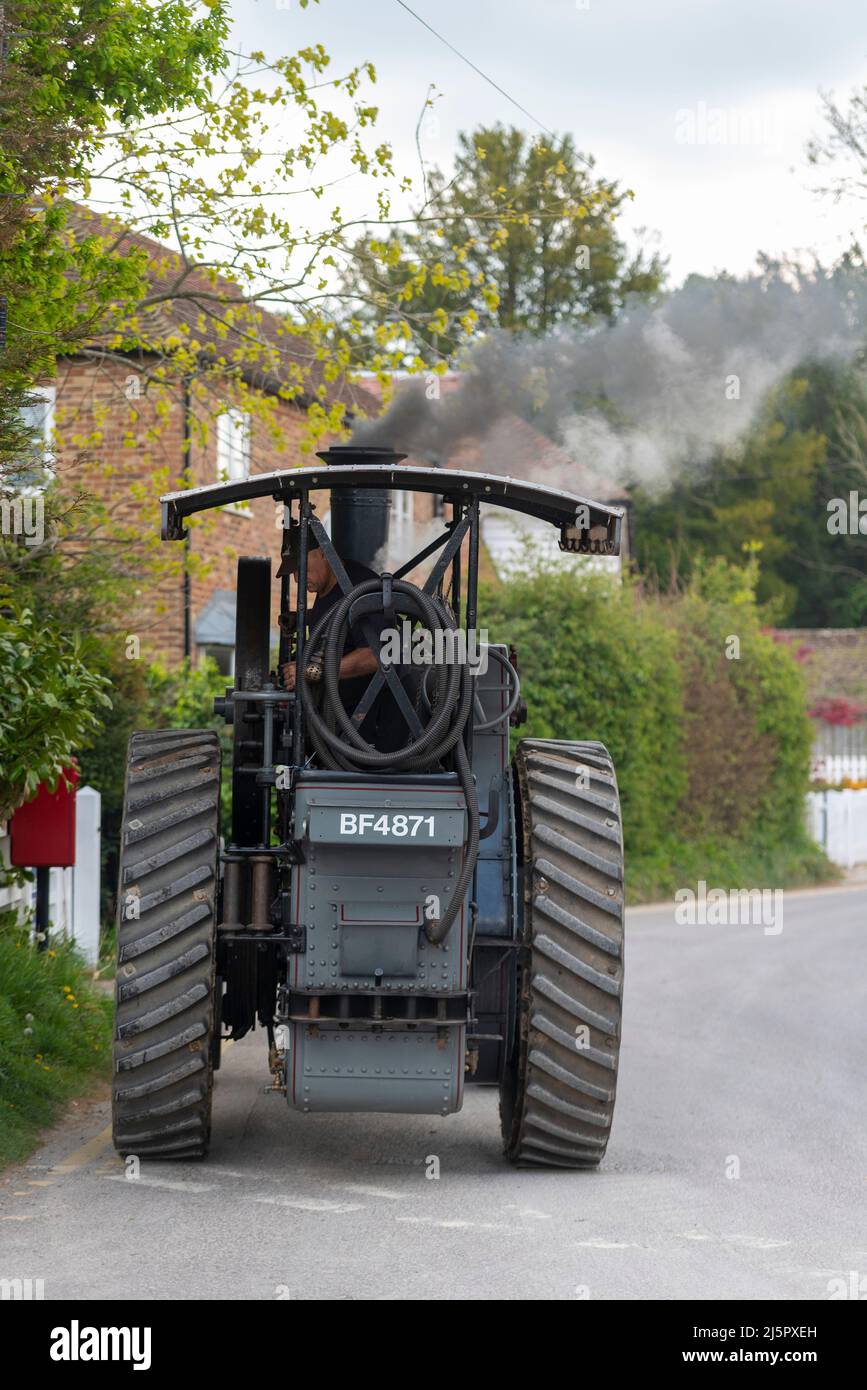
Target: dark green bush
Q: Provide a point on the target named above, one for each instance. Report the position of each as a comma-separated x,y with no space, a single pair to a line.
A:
762,772
596,663
710,735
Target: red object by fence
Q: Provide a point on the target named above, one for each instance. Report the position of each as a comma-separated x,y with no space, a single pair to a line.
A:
839,711
43,830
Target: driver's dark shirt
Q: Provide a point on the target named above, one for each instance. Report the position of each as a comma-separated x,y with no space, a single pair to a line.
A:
351,690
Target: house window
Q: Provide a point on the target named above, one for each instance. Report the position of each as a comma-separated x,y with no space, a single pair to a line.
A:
233,451
36,466
223,657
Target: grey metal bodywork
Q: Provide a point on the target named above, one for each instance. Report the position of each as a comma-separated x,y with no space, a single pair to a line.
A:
361,894
362,898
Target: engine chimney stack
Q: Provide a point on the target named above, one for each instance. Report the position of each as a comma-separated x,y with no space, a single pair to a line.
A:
359,516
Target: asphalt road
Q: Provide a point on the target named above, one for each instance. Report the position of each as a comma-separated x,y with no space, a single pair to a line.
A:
743,1051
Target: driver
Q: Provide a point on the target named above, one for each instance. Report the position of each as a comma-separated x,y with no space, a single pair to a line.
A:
358,662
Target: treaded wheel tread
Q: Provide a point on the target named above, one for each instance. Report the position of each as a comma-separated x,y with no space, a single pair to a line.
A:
163,1071
560,1109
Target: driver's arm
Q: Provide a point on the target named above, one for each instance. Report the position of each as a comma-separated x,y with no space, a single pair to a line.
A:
360,662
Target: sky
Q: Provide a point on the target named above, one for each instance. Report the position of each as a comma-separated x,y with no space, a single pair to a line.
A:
702,107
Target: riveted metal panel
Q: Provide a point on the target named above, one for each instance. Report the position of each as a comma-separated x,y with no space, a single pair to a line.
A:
363,902
399,1073
379,951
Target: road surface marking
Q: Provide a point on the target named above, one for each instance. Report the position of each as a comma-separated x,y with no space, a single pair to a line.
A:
364,1191
749,1242
217,1172
600,1244
162,1182
755,1242
454,1225
79,1158
312,1204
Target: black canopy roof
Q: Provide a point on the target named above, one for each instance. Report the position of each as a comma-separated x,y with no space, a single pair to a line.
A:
534,499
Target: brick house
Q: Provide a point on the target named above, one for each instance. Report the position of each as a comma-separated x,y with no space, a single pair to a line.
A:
118,437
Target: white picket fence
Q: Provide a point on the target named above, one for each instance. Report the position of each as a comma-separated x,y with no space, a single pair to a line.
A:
837,821
74,893
839,750
833,767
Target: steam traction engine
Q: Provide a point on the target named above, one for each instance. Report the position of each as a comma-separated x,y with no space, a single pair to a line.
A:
401,922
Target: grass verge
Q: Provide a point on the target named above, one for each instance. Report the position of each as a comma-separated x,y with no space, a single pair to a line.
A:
55,1037
725,864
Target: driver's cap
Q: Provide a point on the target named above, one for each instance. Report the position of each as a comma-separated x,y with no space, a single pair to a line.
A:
291,545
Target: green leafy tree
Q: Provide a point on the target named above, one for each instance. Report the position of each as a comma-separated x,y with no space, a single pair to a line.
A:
250,219
68,70
757,499
771,498
528,217
144,110
826,563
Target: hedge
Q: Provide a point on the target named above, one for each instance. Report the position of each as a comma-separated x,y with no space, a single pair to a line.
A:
704,715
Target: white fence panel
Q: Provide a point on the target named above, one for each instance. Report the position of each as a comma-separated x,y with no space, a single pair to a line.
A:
837,820
11,895
839,750
85,902
833,767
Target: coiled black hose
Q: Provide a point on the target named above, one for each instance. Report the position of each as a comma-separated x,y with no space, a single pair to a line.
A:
339,744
